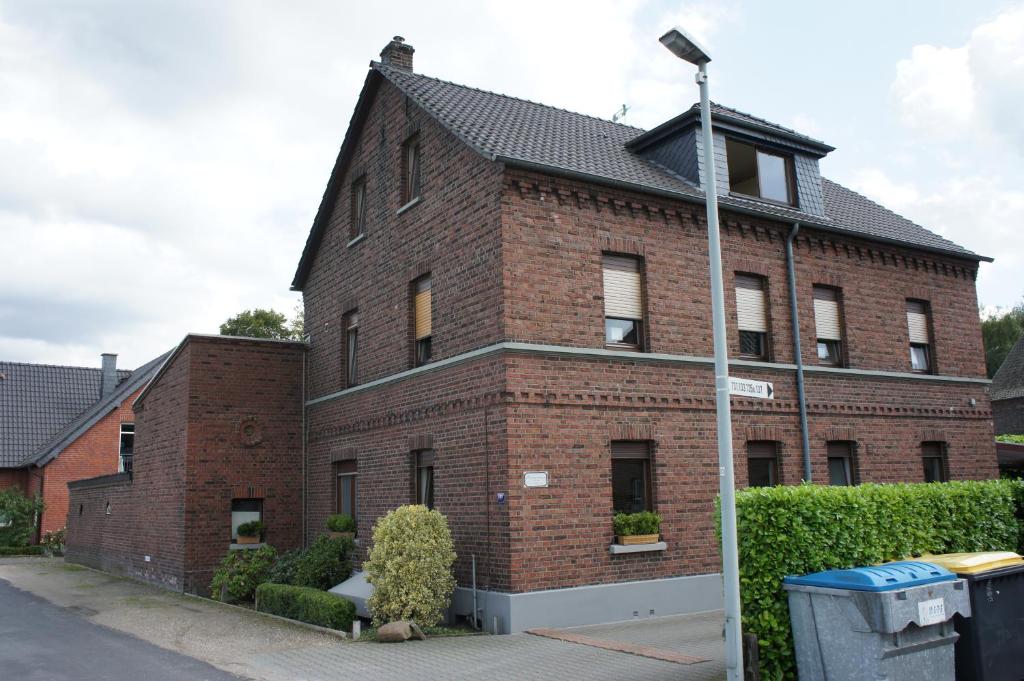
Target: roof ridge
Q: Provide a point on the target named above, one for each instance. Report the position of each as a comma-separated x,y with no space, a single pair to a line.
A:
381,67
55,366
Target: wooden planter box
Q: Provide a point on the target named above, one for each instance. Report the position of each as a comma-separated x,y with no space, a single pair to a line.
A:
248,539
630,540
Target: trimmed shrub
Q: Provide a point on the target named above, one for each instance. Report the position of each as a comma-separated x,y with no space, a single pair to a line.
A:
283,571
240,573
410,567
630,524
341,522
306,605
324,564
17,517
808,528
21,550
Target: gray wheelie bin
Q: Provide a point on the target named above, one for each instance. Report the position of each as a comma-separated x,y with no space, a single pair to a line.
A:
890,622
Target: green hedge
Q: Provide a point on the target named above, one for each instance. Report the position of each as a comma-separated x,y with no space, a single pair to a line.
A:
802,529
21,550
306,605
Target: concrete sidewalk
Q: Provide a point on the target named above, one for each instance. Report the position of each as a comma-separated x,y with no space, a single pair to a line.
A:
249,645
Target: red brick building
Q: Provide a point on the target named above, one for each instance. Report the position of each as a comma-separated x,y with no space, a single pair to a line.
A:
494,287
59,424
219,442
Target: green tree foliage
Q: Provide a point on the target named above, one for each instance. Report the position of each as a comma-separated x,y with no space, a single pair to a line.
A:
1000,334
260,323
410,567
796,530
18,515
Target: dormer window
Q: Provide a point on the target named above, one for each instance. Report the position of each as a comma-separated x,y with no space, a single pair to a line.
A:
758,172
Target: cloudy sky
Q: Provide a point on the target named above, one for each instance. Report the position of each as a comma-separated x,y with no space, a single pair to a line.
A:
161,162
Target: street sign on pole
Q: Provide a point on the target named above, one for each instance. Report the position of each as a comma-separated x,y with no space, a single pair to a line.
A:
744,387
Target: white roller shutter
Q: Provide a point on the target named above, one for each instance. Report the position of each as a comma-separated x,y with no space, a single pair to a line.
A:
622,292
826,313
750,304
917,322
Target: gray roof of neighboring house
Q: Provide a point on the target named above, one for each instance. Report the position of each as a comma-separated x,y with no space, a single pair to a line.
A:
88,418
526,134
1008,383
37,400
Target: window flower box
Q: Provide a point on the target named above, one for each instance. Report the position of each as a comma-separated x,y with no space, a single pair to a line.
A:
631,539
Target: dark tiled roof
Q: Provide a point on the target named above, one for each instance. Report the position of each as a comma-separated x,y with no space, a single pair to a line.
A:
1008,383
88,418
505,127
37,400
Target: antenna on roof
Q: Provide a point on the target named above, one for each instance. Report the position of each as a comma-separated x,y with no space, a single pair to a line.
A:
620,114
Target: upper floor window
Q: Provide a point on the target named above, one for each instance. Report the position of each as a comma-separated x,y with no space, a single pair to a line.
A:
841,467
762,464
757,172
933,455
411,169
351,348
358,223
920,336
422,312
631,477
425,477
752,316
345,474
623,302
127,448
828,325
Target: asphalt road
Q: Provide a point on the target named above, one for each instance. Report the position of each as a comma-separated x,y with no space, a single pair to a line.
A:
43,642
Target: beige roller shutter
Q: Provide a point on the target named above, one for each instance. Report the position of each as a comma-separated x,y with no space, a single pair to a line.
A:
826,313
750,304
423,329
622,292
917,322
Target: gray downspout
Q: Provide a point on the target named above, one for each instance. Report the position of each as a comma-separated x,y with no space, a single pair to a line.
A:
798,355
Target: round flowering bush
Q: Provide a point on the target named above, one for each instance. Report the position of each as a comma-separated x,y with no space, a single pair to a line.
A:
410,567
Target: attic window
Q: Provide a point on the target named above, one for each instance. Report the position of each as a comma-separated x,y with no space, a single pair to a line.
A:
757,172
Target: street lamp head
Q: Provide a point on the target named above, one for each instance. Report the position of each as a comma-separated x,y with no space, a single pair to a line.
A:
685,47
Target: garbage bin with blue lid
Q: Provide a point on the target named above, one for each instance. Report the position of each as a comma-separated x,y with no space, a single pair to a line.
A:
890,621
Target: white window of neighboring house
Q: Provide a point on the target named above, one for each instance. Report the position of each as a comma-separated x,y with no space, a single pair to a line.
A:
127,448
244,511
623,302
752,316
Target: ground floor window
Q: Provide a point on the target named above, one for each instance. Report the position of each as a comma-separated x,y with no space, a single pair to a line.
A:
841,468
933,455
631,477
762,464
345,489
244,511
425,477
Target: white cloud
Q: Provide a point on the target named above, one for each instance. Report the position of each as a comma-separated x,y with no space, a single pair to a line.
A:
934,90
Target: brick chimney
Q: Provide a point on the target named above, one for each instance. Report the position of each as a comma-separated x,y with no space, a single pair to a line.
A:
109,374
397,54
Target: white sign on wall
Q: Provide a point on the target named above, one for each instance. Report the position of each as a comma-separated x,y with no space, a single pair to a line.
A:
744,387
535,479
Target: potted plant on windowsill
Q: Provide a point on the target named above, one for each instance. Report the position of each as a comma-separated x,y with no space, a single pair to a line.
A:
250,532
637,528
341,525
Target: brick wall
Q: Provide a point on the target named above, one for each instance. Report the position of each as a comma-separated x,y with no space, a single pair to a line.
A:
94,453
452,233
1008,416
102,540
11,477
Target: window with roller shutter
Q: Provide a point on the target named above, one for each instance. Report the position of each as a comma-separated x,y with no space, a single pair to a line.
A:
422,322
828,325
623,302
752,316
918,325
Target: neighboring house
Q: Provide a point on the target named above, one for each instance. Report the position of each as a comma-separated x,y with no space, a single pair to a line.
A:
59,424
1007,393
219,442
509,321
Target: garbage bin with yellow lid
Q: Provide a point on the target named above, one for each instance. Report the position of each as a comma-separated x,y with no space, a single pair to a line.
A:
991,645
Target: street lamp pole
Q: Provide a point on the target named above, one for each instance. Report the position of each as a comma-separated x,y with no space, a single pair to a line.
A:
688,49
